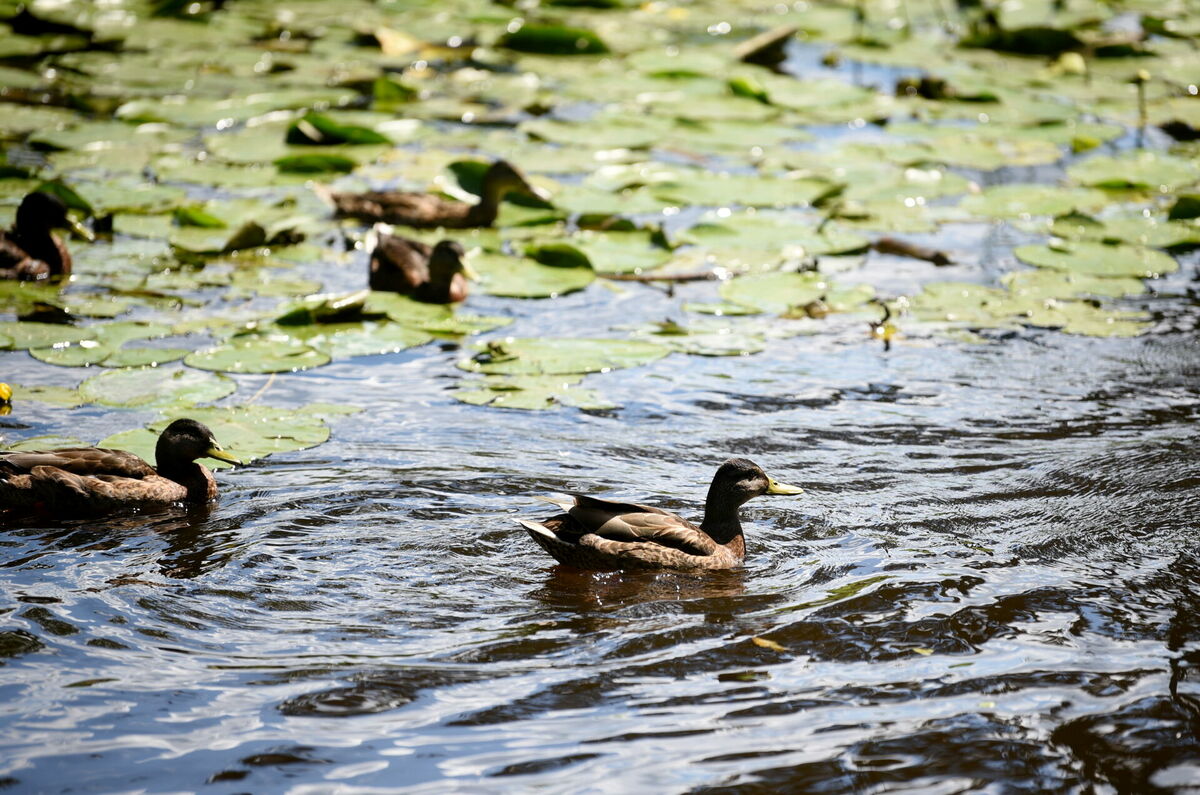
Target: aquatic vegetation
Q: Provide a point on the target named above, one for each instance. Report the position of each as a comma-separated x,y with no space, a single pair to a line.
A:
670,155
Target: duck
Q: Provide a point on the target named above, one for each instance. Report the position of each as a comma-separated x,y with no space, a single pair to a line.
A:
30,251
436,275
427,210
605,535
89,481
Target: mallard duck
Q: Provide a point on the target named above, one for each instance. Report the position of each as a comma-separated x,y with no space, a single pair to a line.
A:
426,210
76,481
30,251
435,275
606,535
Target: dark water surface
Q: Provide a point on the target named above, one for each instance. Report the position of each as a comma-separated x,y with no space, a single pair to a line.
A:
991,584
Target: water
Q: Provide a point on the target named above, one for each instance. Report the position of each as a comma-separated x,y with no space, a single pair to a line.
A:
989,585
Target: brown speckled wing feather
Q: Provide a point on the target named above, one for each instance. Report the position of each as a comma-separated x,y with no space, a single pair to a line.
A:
78,461
407,209
399,265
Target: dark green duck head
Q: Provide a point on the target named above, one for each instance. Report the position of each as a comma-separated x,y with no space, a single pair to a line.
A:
41,213
183,441
738,481
503,178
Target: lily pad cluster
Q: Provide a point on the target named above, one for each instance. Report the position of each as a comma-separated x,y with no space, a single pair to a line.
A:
679,141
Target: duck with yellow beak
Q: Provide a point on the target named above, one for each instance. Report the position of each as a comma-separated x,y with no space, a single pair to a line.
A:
92,481
606,535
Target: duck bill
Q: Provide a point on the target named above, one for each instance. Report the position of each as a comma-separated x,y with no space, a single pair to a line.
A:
216,452
81,230
775,487
469,272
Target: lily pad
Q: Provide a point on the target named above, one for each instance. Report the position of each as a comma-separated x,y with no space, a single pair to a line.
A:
271,353
156,387
64,397
1015,201
1153,171
778,292
560,356
29,334
553,40
347,340
520,277
1098,259
104,345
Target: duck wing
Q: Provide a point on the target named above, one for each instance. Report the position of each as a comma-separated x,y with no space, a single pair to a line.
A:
632,523
393,207
399,265
90,461
15,262
64,493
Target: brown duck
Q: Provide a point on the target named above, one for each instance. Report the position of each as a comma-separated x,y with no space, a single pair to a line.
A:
426,210
88,481
30,251
435,275
606,535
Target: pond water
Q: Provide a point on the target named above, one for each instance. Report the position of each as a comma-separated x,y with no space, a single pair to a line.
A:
989,585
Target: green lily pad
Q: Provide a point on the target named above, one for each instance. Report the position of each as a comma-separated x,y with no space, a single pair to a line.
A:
1140,169
1138,230
104,345
272,353
706,188
520,277
561,356
778,292
347,340
316,164
156,387
22,335
1098,259
1015,201
760,230
61,396
1044,283
553,40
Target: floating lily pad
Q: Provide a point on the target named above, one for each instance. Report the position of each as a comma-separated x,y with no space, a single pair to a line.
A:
520,277
554,40
723,190
1138,230
104,345
273,353
778,292
28,334
64,397
1014,201
156,387
1098,259
346,340
746,230
561,356
1153,171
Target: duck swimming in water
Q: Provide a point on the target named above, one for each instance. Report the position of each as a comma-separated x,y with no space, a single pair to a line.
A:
90,481
436,275
30,251
606,535
427,210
